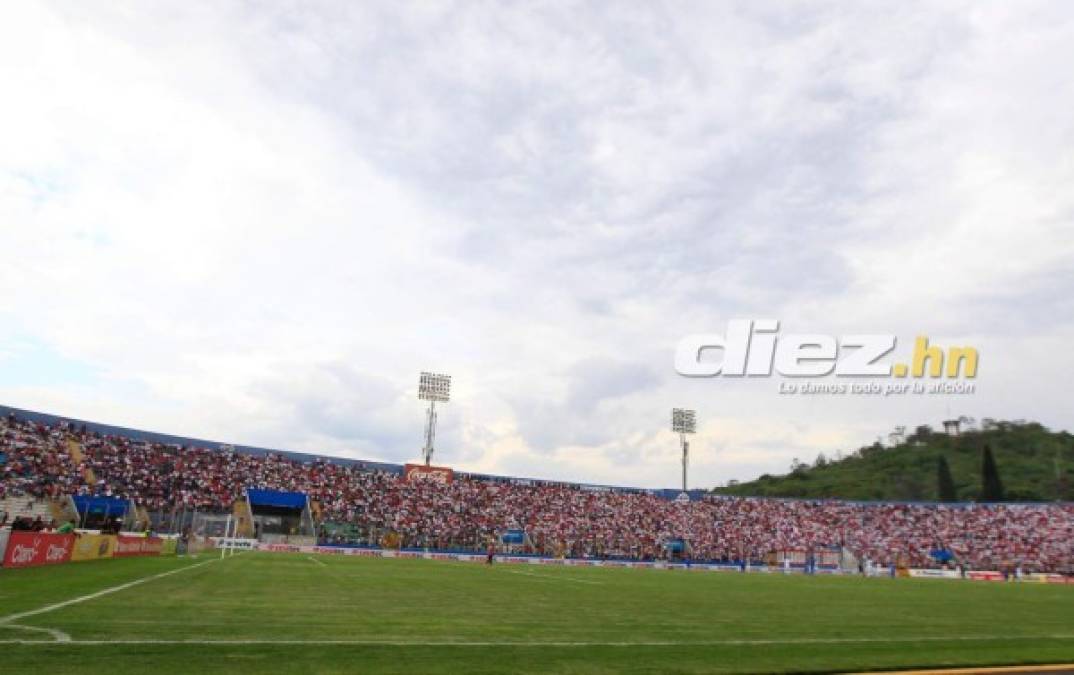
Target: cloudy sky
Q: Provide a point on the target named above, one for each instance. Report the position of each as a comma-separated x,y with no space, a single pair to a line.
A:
257,224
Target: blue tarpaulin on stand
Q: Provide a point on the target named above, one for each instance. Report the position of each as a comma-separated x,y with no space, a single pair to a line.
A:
941,555
513,537
675,545
107,506
287,500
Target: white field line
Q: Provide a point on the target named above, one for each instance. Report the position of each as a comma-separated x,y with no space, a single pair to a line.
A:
314,560
562,643
11,618
556,577
57,635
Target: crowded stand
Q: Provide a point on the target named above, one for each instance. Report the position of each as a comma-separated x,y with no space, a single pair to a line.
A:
558,519
36,461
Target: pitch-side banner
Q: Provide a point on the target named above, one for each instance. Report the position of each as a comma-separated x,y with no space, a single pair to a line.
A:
93,547
127,547
935,574
659,565
29,549
985,575
435,474
235,543
1048,579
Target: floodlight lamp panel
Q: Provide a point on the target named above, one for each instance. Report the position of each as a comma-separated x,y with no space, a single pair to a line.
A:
683,421
434,387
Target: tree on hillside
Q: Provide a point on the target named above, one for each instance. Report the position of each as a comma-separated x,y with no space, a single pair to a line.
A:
991,485
1063,488
910,487
1038,465
921,433
945,485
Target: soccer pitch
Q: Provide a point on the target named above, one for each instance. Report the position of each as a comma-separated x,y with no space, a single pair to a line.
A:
262,612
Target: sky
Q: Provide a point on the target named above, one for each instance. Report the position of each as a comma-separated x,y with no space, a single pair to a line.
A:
257,223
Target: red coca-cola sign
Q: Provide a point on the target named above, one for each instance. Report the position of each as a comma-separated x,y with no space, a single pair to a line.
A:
29,549
434,474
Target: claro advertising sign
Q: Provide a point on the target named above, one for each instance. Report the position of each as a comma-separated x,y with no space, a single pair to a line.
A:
30,549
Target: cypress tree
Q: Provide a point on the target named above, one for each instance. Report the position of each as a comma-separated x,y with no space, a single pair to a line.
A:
945,485
991,486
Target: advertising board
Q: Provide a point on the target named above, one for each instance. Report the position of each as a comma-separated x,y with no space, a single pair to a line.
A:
935,574
985,576
93,547
432,474
129,547
235,543
29,549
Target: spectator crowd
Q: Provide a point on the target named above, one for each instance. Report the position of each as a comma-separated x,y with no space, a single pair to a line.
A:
558,519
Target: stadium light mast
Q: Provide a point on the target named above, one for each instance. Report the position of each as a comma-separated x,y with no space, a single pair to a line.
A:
432,387
684,422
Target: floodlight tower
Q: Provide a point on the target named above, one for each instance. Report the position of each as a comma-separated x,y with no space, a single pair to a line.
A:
432,387
684,422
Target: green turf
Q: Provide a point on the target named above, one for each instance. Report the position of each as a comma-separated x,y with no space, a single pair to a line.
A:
635,620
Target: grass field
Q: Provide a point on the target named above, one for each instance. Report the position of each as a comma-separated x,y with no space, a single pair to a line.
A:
259,612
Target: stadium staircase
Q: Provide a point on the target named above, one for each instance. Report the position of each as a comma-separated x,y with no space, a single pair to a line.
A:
141,518
244,519
848,562
74,449
64,509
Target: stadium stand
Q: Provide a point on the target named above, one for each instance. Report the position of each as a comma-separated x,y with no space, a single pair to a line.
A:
34,510
370,504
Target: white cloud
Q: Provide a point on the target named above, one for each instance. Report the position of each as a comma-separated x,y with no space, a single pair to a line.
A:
258,225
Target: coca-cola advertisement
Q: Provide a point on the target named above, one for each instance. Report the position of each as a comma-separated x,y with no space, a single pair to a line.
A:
435,474
29,549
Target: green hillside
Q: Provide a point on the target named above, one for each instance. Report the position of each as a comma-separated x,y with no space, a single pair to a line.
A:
1034,464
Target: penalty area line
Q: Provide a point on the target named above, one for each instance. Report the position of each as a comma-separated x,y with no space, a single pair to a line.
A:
8,621
552,643
57,635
